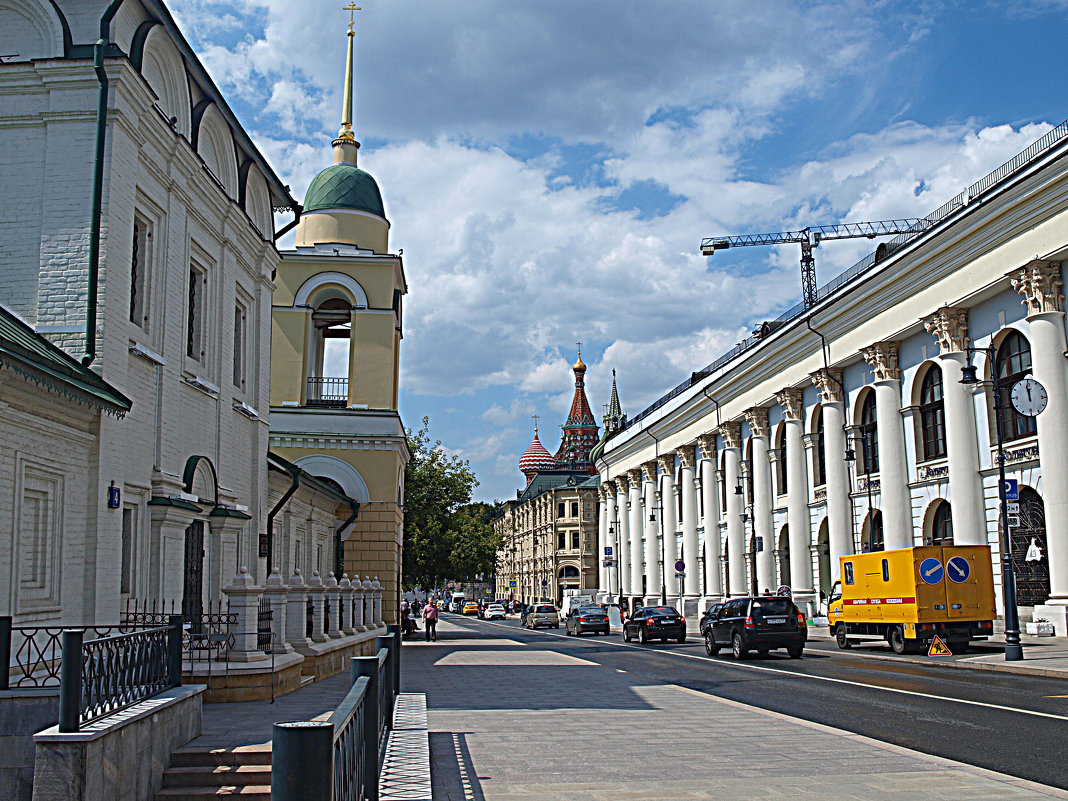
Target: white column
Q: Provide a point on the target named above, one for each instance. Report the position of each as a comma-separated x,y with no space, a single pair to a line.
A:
1042,288
732,436
761,478
611,532
669,502
949,327
713,549
637,529
797,513
839,522
688,488
623,522
602,540
652,531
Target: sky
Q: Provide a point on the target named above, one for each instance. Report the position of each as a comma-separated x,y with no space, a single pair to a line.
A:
549,167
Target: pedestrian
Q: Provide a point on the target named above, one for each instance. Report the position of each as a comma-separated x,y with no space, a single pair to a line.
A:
430,621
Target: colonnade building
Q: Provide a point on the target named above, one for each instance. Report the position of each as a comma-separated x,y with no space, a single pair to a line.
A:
844,426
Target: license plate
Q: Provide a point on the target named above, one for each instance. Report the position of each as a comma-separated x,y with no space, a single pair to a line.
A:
775,621
669,620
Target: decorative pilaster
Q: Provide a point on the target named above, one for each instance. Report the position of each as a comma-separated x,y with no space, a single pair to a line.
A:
688,488
839,527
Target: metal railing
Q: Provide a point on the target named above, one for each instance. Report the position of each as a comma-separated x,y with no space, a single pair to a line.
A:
1041,147
330,393
104,675
341,759
264,625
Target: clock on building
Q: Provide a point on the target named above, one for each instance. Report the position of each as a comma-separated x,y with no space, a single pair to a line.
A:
1028,397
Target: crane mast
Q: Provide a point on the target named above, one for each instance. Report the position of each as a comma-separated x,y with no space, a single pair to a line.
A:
809,238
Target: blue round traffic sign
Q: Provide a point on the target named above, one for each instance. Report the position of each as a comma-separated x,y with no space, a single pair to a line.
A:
931,570
680,566
958,569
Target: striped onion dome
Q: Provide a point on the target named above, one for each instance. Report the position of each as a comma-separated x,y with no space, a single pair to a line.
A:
536,458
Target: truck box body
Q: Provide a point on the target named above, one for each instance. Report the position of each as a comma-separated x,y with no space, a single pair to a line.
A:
948,590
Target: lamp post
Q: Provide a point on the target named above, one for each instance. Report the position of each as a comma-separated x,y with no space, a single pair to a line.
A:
1013,647
851,456
659,519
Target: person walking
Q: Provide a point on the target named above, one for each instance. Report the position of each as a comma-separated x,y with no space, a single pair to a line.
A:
430,620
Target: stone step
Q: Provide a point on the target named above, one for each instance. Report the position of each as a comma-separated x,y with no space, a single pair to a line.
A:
252,792
217,776
206,757
305,679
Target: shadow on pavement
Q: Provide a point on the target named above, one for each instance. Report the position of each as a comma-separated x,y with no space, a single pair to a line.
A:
452,771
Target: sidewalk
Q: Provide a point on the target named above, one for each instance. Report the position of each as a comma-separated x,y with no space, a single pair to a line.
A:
511,721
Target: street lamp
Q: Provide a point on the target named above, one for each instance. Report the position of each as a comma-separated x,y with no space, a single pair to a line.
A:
1013,648
663,547
851,456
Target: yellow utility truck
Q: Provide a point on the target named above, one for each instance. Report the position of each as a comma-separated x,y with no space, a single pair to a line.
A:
907,596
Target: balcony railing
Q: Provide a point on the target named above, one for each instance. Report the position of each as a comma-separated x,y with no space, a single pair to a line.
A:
328,393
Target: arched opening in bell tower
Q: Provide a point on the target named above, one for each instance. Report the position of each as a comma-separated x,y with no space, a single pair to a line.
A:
328,379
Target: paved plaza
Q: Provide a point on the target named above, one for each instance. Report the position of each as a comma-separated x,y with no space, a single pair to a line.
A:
512,720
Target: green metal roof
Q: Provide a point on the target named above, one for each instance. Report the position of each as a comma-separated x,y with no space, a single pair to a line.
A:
35,358
343,186
547,481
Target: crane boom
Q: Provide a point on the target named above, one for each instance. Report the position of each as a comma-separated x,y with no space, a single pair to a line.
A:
811,237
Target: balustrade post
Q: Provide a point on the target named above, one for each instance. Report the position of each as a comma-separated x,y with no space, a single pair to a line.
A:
345,604
331,594
70,680
244,601
368,604
357,606
276,594
5,651
174,649
296,600
377,615
302,761
367,666
316,594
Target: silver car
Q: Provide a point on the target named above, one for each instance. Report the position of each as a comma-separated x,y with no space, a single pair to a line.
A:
542,615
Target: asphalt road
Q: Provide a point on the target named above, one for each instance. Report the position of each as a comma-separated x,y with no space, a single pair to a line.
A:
1008,723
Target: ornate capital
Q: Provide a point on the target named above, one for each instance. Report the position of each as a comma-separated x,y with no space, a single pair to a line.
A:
635,477
667,464
686,456
731,431
882,358
829,382
622,484
607,488
707,444
949,327
757,417
649,470
1041,285
792,402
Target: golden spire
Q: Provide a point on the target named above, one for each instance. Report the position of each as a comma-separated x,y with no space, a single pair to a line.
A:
346,108
579,366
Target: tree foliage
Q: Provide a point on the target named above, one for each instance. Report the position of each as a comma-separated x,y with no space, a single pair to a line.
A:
446,536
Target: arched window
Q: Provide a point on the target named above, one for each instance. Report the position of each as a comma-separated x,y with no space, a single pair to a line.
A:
569,572
932,414
328,385
1014,363
783,485
873,534
868,434
942,526
819,467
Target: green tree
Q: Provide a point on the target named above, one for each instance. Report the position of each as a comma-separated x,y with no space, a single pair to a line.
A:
474,544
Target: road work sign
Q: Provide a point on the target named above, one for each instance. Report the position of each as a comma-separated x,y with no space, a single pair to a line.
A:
938,648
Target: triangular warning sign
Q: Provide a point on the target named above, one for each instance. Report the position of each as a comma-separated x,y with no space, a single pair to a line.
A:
939,648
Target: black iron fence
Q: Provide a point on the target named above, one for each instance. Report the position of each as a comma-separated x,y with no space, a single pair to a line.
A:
341,759
330,393
264,625
103,675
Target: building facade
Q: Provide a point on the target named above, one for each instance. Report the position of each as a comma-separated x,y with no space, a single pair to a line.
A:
844,426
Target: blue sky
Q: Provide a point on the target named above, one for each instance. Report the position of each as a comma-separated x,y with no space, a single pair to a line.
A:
549,166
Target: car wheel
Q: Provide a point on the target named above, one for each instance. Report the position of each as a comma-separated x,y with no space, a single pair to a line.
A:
626,635
896,638
681,638
643,636
738,647
840,637
795,651
710,644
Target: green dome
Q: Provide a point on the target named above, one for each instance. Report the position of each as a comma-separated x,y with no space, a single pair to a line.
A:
343,186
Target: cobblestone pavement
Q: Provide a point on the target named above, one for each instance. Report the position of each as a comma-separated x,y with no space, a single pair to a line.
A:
512,720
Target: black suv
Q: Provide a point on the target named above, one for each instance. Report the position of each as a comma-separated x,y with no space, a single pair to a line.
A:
710,615
758,623
655,623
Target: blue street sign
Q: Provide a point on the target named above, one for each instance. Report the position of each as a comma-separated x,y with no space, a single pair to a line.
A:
608,550
680,566
958,569
931,570
544,583
1012,489
513,583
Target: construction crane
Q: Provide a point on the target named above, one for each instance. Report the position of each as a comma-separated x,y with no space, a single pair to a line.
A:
810,238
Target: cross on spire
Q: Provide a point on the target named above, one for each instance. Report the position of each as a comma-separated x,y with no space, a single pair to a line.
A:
536,418
352,8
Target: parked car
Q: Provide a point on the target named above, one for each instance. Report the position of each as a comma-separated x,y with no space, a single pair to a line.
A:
759,623
590,618
494,612
541,615
470,608
709,615
655,622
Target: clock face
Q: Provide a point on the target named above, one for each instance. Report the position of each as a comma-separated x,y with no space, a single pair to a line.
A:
1028,397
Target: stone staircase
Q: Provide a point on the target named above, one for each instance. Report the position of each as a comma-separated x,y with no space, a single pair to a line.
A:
197,774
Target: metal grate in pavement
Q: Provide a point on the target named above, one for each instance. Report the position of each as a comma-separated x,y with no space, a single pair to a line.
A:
406,767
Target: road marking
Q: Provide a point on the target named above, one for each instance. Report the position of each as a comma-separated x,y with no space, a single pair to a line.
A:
750,666
1055,696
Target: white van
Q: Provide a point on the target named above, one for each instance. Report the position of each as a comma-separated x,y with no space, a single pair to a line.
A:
574,602
456,602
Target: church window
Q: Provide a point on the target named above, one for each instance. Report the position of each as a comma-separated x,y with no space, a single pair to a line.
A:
139,262
194,329
1013,364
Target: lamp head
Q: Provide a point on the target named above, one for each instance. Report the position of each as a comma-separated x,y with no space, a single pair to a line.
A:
968,374
850,455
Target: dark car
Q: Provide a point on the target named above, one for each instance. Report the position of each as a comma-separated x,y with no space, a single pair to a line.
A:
710,614
655,622
759,623
585,619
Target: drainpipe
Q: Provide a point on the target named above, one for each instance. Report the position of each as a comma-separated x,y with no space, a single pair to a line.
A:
339,548
709,397
294,474
98,181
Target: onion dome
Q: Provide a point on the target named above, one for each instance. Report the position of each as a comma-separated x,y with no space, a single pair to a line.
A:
579,366
536,459
344,186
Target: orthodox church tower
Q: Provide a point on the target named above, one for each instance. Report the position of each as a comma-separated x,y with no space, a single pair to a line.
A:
536,459
580,430
614,419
